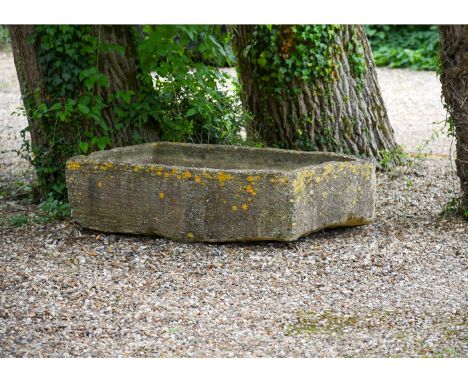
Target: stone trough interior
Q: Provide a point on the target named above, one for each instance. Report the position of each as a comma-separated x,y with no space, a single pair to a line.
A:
217,157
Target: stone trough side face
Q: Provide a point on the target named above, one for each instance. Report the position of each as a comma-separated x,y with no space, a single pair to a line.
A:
126,190
178,202
333,194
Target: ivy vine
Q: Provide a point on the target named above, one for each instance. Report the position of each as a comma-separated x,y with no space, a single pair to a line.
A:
286,55
183,96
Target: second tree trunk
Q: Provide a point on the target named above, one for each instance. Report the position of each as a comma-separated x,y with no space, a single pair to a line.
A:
454,78
343,113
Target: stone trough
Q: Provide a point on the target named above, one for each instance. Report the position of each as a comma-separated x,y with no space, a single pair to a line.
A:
218,193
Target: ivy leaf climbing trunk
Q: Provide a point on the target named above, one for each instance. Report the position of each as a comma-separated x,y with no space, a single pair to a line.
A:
454,79
82,88
313,87
118,61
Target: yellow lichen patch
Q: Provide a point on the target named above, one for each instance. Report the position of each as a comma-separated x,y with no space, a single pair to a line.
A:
250,190
223,177
99,184
302,179
110,165
245,206
161,195
367,171
197,179
249,199
252,178
353,168
234,208
325,194
157,170
73,165
174,171
207,175
167,174
328,169
186,175
279,180
137,168
190,235
106,166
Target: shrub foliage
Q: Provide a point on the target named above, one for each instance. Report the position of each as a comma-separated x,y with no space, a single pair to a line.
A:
405,46
183,95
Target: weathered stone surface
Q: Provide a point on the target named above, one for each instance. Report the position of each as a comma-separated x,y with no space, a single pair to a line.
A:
219,193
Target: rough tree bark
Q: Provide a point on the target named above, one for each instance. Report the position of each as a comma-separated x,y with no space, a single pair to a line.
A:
49,74
345,115
29,72
454,78
120,69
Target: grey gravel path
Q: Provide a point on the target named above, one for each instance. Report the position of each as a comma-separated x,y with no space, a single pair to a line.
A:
394,288
10,125
415,110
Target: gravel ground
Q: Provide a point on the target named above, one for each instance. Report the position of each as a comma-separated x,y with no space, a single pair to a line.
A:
11,166
394,288
415,110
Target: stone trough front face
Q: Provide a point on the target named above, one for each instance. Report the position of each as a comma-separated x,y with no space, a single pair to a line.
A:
218,193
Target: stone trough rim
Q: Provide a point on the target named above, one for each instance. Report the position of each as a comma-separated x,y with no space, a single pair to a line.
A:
93,158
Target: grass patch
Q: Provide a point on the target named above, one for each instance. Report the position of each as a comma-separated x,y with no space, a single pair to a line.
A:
326,322
18,220
23,194
454,207
392,158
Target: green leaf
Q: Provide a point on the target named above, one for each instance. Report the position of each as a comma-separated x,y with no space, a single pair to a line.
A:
56,106
101,142
84,147
190,112
83,108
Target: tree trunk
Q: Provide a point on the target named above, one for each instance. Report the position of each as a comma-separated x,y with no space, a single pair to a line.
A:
29,74
122,71
41,67
345,114
120,68
454,78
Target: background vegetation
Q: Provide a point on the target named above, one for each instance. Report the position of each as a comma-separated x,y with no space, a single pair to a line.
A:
405,46
190,101
182,95
4,37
